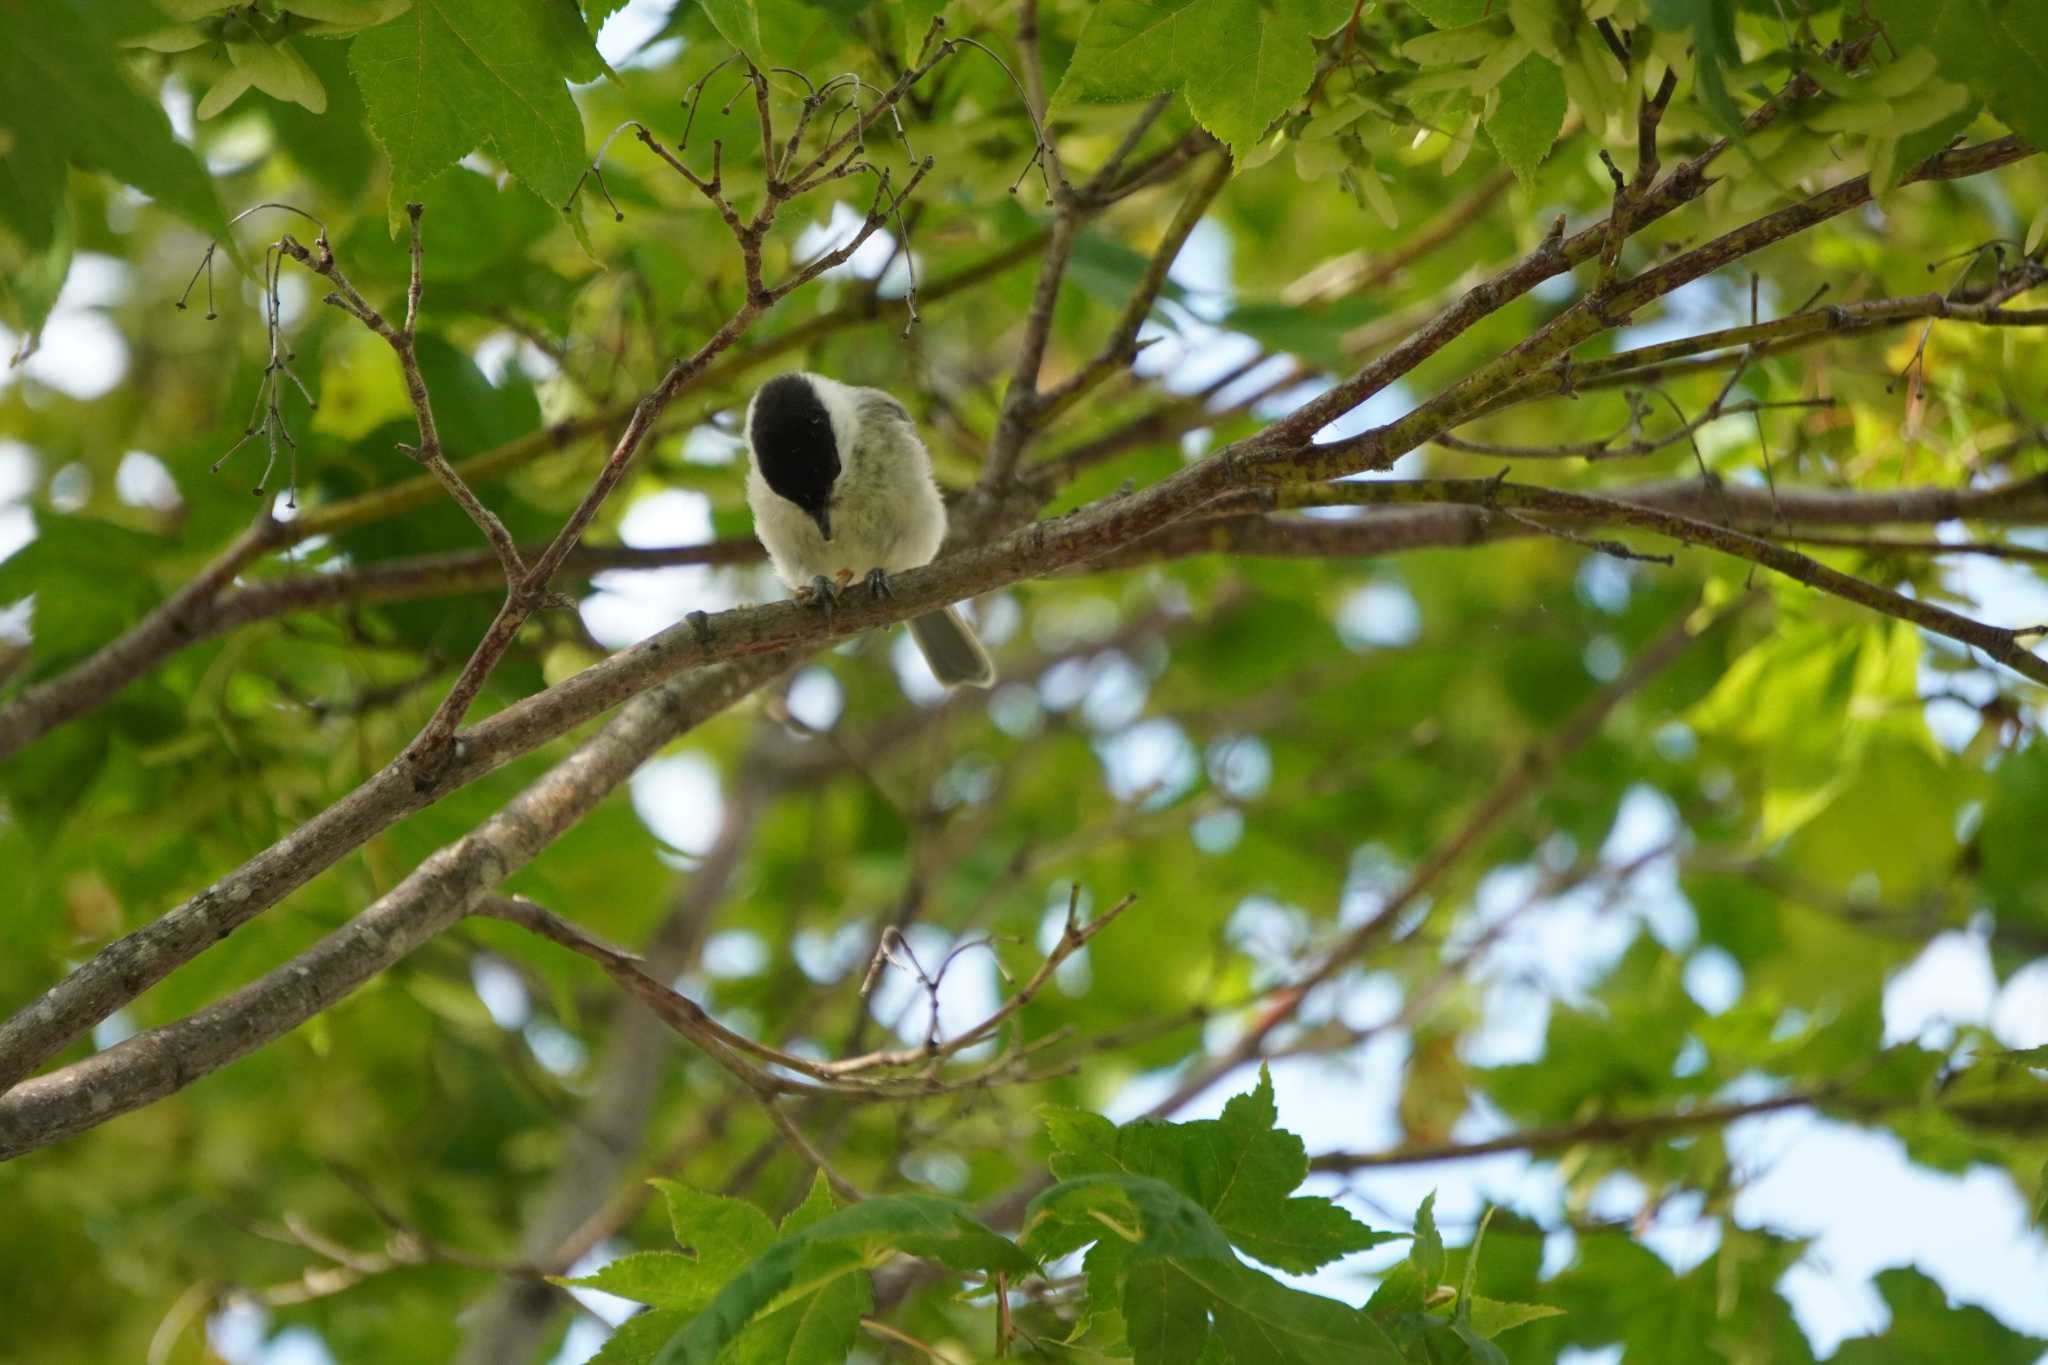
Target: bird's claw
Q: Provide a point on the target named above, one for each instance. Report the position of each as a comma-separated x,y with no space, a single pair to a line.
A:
878,583
820,592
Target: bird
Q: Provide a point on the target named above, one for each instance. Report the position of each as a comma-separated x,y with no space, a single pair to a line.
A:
840,485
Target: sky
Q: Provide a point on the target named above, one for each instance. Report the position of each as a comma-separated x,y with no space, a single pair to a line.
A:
1853,1192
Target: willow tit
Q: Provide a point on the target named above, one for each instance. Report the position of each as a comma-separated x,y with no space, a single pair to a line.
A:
841,487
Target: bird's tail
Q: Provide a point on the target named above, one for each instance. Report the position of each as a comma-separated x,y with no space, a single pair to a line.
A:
950,647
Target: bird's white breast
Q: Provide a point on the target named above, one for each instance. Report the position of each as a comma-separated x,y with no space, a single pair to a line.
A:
886,511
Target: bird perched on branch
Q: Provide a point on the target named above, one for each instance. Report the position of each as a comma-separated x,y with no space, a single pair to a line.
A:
841,488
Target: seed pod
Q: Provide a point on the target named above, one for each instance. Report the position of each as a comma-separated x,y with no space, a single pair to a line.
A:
1903,76
1540,24
1507,55
1454,46
1929,106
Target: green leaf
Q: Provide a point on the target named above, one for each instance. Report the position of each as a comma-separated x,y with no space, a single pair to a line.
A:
1179,1273
1166,1314
837,1244
89,579
1166,1221
65,98
1109,271
280,72
664,1279
1457,13
1491,1317
818,1326
1525,124
639,1339
1259,1319
31,281
818,1202
1313,331
917,21
1083,1142
724,1233
448,76
1238,1169
1712,25
1427,1253
333,148
345,16
789,33
1926,1330
1241,64
574,41
1999,48
595,12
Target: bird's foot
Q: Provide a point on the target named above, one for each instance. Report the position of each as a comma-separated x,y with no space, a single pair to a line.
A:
878,583
820,592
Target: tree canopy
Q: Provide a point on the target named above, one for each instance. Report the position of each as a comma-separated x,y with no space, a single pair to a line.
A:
1511,532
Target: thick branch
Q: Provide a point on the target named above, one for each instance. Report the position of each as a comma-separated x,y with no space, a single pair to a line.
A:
441,890
130,965
2000,643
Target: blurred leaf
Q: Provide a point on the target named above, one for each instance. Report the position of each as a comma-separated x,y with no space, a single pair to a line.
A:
1241,64
449,75
65,98
1999,48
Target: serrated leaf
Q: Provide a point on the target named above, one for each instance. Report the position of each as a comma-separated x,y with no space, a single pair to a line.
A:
724,1233
1240,64
1403,1289
448,76
1529,115
1926,1329
639,1339
818,1202
1083,1143
663,1279
1159,1219
837,1245
1259,1319
817,1327
1491,1317
1166,1314
1427,1254
1238,1170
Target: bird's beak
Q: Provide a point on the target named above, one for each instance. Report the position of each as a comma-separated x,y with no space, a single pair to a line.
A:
823,516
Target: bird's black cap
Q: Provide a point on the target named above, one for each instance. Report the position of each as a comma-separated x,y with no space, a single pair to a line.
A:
791,436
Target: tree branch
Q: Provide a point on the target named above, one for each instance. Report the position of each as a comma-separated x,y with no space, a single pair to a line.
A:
1615,1129
1531,771
440,891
